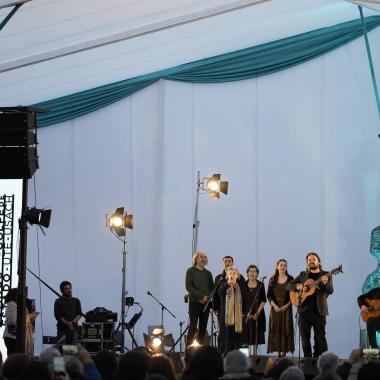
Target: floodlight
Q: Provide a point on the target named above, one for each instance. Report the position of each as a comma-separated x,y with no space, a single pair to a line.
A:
119,221
37,216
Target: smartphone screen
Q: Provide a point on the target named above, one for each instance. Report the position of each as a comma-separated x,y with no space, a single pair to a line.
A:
59,365
69,349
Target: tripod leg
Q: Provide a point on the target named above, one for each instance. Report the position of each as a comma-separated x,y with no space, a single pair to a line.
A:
179,339
132,337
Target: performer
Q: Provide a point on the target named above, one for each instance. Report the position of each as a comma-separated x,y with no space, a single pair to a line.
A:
11,321
228,261
199,285
314,309
281,330
373,322
254,329
233,296
67,312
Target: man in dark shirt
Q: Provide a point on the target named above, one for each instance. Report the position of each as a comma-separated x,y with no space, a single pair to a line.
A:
67,312
313,311
373,322
199,285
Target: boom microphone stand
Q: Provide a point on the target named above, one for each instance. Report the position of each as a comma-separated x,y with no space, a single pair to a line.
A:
163,307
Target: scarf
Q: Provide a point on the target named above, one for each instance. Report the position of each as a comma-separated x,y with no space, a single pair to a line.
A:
234,315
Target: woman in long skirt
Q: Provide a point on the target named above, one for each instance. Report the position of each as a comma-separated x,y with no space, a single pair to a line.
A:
281,331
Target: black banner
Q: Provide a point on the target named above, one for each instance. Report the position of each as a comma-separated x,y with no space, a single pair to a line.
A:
6,248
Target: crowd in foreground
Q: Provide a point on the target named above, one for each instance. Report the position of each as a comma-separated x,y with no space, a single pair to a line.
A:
199,363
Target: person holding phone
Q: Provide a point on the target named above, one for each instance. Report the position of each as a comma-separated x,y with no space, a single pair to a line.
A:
67,312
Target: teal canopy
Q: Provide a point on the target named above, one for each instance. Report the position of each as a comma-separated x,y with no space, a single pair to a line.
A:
242,64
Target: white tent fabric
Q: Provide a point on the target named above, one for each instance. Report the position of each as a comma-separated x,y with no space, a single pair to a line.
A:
299,149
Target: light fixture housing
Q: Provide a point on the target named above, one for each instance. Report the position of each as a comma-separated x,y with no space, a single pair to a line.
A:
37,216
119,221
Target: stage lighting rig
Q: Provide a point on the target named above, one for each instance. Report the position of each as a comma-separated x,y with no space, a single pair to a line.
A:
212,186
119,221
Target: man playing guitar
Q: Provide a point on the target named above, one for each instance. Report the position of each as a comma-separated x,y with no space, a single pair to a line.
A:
314,309
369,304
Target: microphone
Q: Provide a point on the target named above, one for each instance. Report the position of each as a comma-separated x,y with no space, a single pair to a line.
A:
263,278
148,293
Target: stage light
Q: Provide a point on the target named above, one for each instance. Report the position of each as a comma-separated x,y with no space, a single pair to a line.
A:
214,186
155,341
37,216
119,221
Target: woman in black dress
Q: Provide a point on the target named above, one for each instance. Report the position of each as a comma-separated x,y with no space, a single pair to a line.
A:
255,325
281,331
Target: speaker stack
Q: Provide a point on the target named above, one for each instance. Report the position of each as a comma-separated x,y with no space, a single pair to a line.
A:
18,142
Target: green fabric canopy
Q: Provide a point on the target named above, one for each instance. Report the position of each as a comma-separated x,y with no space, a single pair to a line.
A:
238,65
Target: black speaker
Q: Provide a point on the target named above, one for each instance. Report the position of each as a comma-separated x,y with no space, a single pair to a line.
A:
18,153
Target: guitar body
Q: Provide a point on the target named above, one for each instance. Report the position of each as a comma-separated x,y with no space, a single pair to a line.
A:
296,299
374,311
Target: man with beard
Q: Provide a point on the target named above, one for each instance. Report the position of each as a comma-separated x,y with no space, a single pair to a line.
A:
314,309
199,285
67,312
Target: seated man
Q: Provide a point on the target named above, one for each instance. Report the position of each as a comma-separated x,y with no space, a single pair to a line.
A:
367,303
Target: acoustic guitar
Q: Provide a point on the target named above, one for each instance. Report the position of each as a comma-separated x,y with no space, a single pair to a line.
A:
310,287
373,309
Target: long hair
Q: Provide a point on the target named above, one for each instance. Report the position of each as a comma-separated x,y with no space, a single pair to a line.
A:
274,278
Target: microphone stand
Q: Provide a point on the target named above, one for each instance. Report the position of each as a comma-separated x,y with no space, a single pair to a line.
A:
163,307
255,302
207,305
300,309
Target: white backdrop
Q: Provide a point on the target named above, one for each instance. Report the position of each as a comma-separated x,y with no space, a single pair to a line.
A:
300,151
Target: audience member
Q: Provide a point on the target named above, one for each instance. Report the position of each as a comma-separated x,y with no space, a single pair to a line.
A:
15,365
206,364
292,373
106,363
134,365
370,371
328,362
278,368
35,371
236,366
161,364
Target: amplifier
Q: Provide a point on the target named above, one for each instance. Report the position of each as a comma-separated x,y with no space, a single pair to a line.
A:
98,330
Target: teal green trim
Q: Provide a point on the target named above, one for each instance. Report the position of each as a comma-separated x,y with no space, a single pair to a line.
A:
9,16
238,65
373,75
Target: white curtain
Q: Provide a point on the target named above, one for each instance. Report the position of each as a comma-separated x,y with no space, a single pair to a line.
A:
299,149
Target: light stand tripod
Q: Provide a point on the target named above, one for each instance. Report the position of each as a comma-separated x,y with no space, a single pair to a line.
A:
118,224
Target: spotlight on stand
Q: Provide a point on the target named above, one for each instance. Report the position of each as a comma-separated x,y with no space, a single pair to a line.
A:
119,221
214,186
36,216
155,341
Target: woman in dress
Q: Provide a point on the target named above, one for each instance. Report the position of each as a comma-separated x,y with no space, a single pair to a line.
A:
255,324
233,299
281,331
